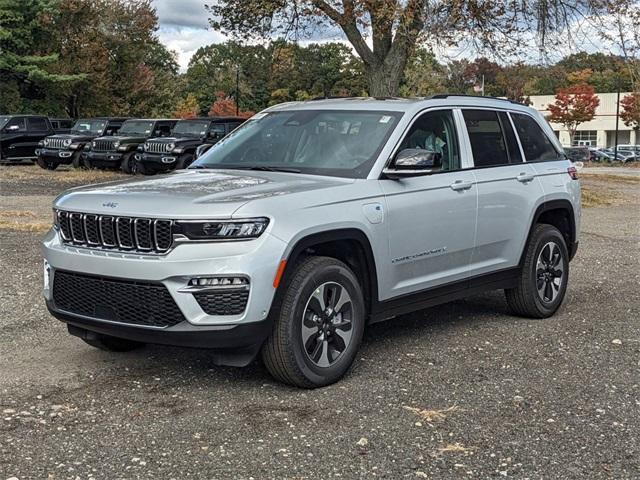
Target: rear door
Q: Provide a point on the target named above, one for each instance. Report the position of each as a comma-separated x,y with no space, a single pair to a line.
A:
431,219
508,190
15,143
37,129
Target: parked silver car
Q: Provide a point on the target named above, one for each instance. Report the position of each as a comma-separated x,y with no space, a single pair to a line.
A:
313,220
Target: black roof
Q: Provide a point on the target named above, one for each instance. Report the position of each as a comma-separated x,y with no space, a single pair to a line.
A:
109,119
22,115
154,119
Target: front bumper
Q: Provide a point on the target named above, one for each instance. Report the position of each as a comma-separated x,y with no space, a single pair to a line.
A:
56,156
104,159
158,161
256,260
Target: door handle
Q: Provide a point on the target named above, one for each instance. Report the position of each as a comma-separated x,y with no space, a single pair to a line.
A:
461,185
525,177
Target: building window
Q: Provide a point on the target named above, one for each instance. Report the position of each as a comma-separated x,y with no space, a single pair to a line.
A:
587,138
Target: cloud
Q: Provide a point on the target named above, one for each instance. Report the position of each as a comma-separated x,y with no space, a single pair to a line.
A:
182,13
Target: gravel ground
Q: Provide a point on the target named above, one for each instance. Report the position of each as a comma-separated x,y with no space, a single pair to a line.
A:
461,390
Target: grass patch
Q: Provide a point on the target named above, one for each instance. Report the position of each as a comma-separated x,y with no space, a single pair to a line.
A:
591,199
453,448
71,176
17,214
431,416
33,227
613,177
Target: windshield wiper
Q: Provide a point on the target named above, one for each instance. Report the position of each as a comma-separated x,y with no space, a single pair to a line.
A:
265,168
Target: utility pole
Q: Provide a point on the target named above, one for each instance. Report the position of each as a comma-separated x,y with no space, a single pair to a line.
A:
615,149
237,90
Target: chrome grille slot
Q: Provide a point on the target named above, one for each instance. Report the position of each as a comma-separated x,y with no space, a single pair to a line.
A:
107,232
91,229
103,145
142,233
145,235
123,232
77,227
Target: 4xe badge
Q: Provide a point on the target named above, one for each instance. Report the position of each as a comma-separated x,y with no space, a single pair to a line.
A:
110,204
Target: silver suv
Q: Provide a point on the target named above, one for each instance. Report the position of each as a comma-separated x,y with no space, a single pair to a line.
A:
314,220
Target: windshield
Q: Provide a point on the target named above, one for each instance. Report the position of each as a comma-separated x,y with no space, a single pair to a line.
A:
136,127
3,120
192,129
89,126
320,142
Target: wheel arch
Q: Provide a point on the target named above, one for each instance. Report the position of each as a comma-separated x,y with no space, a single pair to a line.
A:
560,214
349,245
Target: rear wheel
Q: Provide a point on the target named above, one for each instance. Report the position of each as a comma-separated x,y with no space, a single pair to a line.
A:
184,161
545,272
45,164
318,323
129,164
112,344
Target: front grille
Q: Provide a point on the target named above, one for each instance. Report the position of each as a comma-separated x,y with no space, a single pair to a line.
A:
103,145
55,143
138,303
224,302
155,147
123,233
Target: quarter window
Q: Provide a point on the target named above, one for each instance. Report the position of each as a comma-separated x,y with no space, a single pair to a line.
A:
536,145
19,122
435,131
487,137
37,124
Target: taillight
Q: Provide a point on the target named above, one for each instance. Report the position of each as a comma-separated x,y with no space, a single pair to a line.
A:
573,173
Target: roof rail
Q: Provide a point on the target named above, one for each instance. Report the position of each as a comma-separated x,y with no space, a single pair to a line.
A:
440,96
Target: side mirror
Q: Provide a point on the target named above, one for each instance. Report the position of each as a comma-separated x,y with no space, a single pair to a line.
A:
412,162
12,128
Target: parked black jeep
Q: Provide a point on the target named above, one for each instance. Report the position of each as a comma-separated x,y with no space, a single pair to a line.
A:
20,135
178,150
68,148
118,151
61,125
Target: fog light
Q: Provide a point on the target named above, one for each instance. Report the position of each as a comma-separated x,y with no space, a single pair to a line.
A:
219,282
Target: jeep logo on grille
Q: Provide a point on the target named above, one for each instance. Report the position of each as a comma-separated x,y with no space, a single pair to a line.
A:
110,204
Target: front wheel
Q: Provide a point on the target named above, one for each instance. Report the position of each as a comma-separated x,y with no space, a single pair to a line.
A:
184,161
46,165
318,323
129,163
545,272
77,161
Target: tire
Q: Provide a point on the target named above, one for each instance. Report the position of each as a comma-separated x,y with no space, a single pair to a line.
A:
538,294
184,161
77,160
128,164
46,165
112,344
320,352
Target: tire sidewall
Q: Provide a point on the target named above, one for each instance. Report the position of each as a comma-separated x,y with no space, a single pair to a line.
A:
184,161
332,273
550,234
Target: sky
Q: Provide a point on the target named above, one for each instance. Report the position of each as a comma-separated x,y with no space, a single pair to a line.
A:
184,28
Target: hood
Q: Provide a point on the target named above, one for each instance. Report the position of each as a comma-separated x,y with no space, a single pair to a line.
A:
74,137
177,140
189,193
122,138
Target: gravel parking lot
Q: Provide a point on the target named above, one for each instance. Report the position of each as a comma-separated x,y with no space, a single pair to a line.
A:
461,390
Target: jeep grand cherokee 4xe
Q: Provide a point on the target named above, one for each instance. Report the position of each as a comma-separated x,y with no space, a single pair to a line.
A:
313,220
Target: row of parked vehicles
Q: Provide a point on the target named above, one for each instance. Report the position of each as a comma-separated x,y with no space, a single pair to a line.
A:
146,146
625,153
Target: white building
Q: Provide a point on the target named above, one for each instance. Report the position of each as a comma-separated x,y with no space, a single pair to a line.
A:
599,132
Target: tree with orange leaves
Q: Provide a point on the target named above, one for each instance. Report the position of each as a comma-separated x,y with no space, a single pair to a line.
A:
225,106
572,106
630,114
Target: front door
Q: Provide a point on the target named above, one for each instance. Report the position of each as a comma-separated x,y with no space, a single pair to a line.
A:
431,218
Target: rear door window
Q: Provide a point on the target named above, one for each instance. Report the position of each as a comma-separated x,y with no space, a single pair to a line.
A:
536,145
487,138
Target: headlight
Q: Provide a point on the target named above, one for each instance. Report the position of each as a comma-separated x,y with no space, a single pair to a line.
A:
46,142
170,146
146,146
67,142
225,230
116,144
93,144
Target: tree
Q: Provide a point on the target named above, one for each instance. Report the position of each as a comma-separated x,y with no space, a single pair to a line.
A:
574,105
630,113
186,107
225,107
397,26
